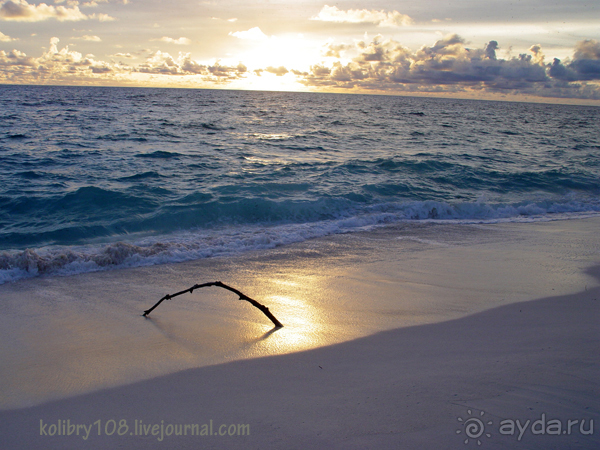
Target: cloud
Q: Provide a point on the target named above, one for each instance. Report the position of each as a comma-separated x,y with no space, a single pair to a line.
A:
254,34
102,69
334,51
160,63
538,55
21,11
91,38
320,70
585,65
279,71
587,50
92,3
180,41
450,66
490,50
232,19
586,61
165,64
17,65
54,65
66,66
379,18
230,72
15,58
101,17
5,38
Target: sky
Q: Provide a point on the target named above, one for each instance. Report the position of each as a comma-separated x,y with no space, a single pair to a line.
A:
528,50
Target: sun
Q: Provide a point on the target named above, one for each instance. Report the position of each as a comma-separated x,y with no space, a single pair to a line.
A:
293,51
273,61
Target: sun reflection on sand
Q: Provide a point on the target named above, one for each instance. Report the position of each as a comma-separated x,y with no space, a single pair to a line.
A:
302,324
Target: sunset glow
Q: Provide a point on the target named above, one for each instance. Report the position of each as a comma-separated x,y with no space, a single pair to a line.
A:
530,50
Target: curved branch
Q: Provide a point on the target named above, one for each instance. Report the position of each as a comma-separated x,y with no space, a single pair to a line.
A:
241,296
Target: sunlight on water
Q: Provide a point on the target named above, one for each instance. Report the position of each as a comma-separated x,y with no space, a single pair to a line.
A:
271,136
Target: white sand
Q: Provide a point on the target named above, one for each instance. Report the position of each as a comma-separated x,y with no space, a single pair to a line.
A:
404,388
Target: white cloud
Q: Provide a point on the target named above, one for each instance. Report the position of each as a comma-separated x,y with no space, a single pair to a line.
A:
55,65
21,11
254,34
5,38
91,38
380,18
102,17
15,58
180,41
92,3
335,51
233,19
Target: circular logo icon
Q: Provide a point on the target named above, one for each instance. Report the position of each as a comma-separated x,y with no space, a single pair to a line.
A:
473,427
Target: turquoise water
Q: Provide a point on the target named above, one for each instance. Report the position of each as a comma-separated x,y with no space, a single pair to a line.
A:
94,178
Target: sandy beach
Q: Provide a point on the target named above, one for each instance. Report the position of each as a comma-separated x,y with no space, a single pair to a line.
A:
390,337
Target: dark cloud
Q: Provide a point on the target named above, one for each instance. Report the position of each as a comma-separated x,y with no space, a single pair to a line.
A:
588,49
450,66
585,65
490,50
100,69
586,60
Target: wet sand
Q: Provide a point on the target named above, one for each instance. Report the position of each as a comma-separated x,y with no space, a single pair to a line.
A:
495,318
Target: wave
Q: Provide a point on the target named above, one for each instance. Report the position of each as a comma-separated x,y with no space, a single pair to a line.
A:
235,239
177,176
142,176
160,154
91,212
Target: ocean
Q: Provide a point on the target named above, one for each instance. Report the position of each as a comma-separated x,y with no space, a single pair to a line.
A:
98,178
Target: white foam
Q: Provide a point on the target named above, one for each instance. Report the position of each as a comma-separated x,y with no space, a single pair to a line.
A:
198,244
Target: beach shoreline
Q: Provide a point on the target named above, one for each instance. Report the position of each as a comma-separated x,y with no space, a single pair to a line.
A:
389,337
401,388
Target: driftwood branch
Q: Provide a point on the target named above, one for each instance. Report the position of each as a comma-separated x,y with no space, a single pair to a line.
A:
242,296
